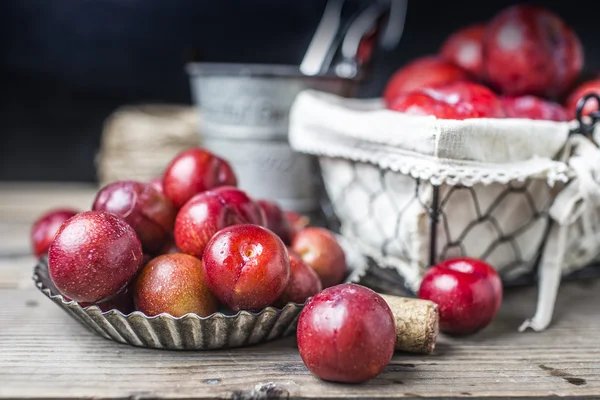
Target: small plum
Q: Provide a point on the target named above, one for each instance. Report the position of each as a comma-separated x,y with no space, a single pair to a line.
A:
304,282
148,212
276,220
246,266
46,226
208,212
346,333
94,256
531,50
464,48
533,107
467,291
319,249
174,284
423,72
459,100
588,87
194,171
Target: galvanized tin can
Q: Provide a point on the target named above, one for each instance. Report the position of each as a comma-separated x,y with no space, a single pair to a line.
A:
245,115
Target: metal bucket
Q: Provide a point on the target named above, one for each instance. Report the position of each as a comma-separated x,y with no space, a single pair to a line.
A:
245,112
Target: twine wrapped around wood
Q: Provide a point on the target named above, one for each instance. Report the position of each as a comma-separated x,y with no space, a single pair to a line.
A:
138,142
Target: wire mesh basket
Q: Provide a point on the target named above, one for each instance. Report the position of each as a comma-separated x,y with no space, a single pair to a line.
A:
410,191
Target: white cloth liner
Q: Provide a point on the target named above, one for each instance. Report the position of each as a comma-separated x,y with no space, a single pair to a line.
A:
469,152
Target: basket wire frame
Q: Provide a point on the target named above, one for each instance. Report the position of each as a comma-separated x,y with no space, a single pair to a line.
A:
374,185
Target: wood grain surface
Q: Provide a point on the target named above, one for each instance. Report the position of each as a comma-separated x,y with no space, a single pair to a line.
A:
44,353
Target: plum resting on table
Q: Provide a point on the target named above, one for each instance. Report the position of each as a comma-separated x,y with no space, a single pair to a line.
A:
246,266
208,212
468,293
45,227
94,256
193,171
174,284
346,333
149,212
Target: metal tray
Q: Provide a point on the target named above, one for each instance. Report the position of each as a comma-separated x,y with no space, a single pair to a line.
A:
189,332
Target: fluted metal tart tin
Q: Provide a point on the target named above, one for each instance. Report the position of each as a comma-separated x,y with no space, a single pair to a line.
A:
189,332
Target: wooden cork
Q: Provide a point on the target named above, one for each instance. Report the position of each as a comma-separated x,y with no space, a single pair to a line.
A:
417,323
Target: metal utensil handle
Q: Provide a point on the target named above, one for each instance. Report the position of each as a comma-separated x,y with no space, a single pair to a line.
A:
319,47
360,27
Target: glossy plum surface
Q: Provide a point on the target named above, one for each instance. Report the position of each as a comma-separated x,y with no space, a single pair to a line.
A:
45,227
464,48
211,211
346,333
531,50
304,282
194,171
533,107
319,249
94,256
468,293
174,284
148,212
459,100
277,221
423,72
246,266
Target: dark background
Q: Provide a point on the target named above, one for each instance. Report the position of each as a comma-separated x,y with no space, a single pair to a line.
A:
65,65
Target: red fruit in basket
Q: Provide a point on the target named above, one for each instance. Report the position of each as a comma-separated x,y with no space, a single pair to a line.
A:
304,282
464,48
459,100
585,88
276,220
148,212
297,221
422,72
121,302
93,256
530,50
319,249
533,108
194,171
467,291
346,333
45,227
246,266
157,184
174,284
211,211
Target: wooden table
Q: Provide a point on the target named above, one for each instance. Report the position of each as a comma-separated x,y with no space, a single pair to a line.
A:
46,354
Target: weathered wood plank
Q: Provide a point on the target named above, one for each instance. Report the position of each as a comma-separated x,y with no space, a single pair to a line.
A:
44,353
24,202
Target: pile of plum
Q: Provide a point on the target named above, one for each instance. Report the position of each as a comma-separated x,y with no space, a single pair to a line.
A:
190,242
525,62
